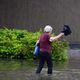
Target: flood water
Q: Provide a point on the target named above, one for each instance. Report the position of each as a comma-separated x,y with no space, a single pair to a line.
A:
25,70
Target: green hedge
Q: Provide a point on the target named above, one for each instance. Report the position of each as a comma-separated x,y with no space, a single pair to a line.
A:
17,44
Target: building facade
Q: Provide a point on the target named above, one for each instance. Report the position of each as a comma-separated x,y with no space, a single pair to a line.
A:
33,15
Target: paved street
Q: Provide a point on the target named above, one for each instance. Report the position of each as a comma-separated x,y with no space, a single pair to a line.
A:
68,71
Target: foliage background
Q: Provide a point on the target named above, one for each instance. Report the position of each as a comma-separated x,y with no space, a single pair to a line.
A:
20,44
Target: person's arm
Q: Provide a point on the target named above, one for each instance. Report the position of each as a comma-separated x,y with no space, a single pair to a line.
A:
37,42
56,37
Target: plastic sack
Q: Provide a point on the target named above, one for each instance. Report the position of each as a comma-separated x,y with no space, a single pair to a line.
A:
36,50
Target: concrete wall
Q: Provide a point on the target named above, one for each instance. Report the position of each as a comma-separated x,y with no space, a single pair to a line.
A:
35,14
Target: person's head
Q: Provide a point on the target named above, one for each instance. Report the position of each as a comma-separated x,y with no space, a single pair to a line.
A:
48,29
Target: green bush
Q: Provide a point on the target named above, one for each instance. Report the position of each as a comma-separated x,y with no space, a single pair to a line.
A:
60,51
17,44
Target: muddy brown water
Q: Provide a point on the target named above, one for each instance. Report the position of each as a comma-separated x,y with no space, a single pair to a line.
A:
23,70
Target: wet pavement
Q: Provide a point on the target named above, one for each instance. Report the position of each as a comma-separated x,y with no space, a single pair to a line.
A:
73,74
17,70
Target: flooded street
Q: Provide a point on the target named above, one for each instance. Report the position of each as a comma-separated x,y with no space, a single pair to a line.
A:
23,70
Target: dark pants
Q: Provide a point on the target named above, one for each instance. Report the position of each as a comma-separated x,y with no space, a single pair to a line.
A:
45,56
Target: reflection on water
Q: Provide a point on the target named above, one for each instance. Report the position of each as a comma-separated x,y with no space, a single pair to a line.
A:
16,65
13,65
